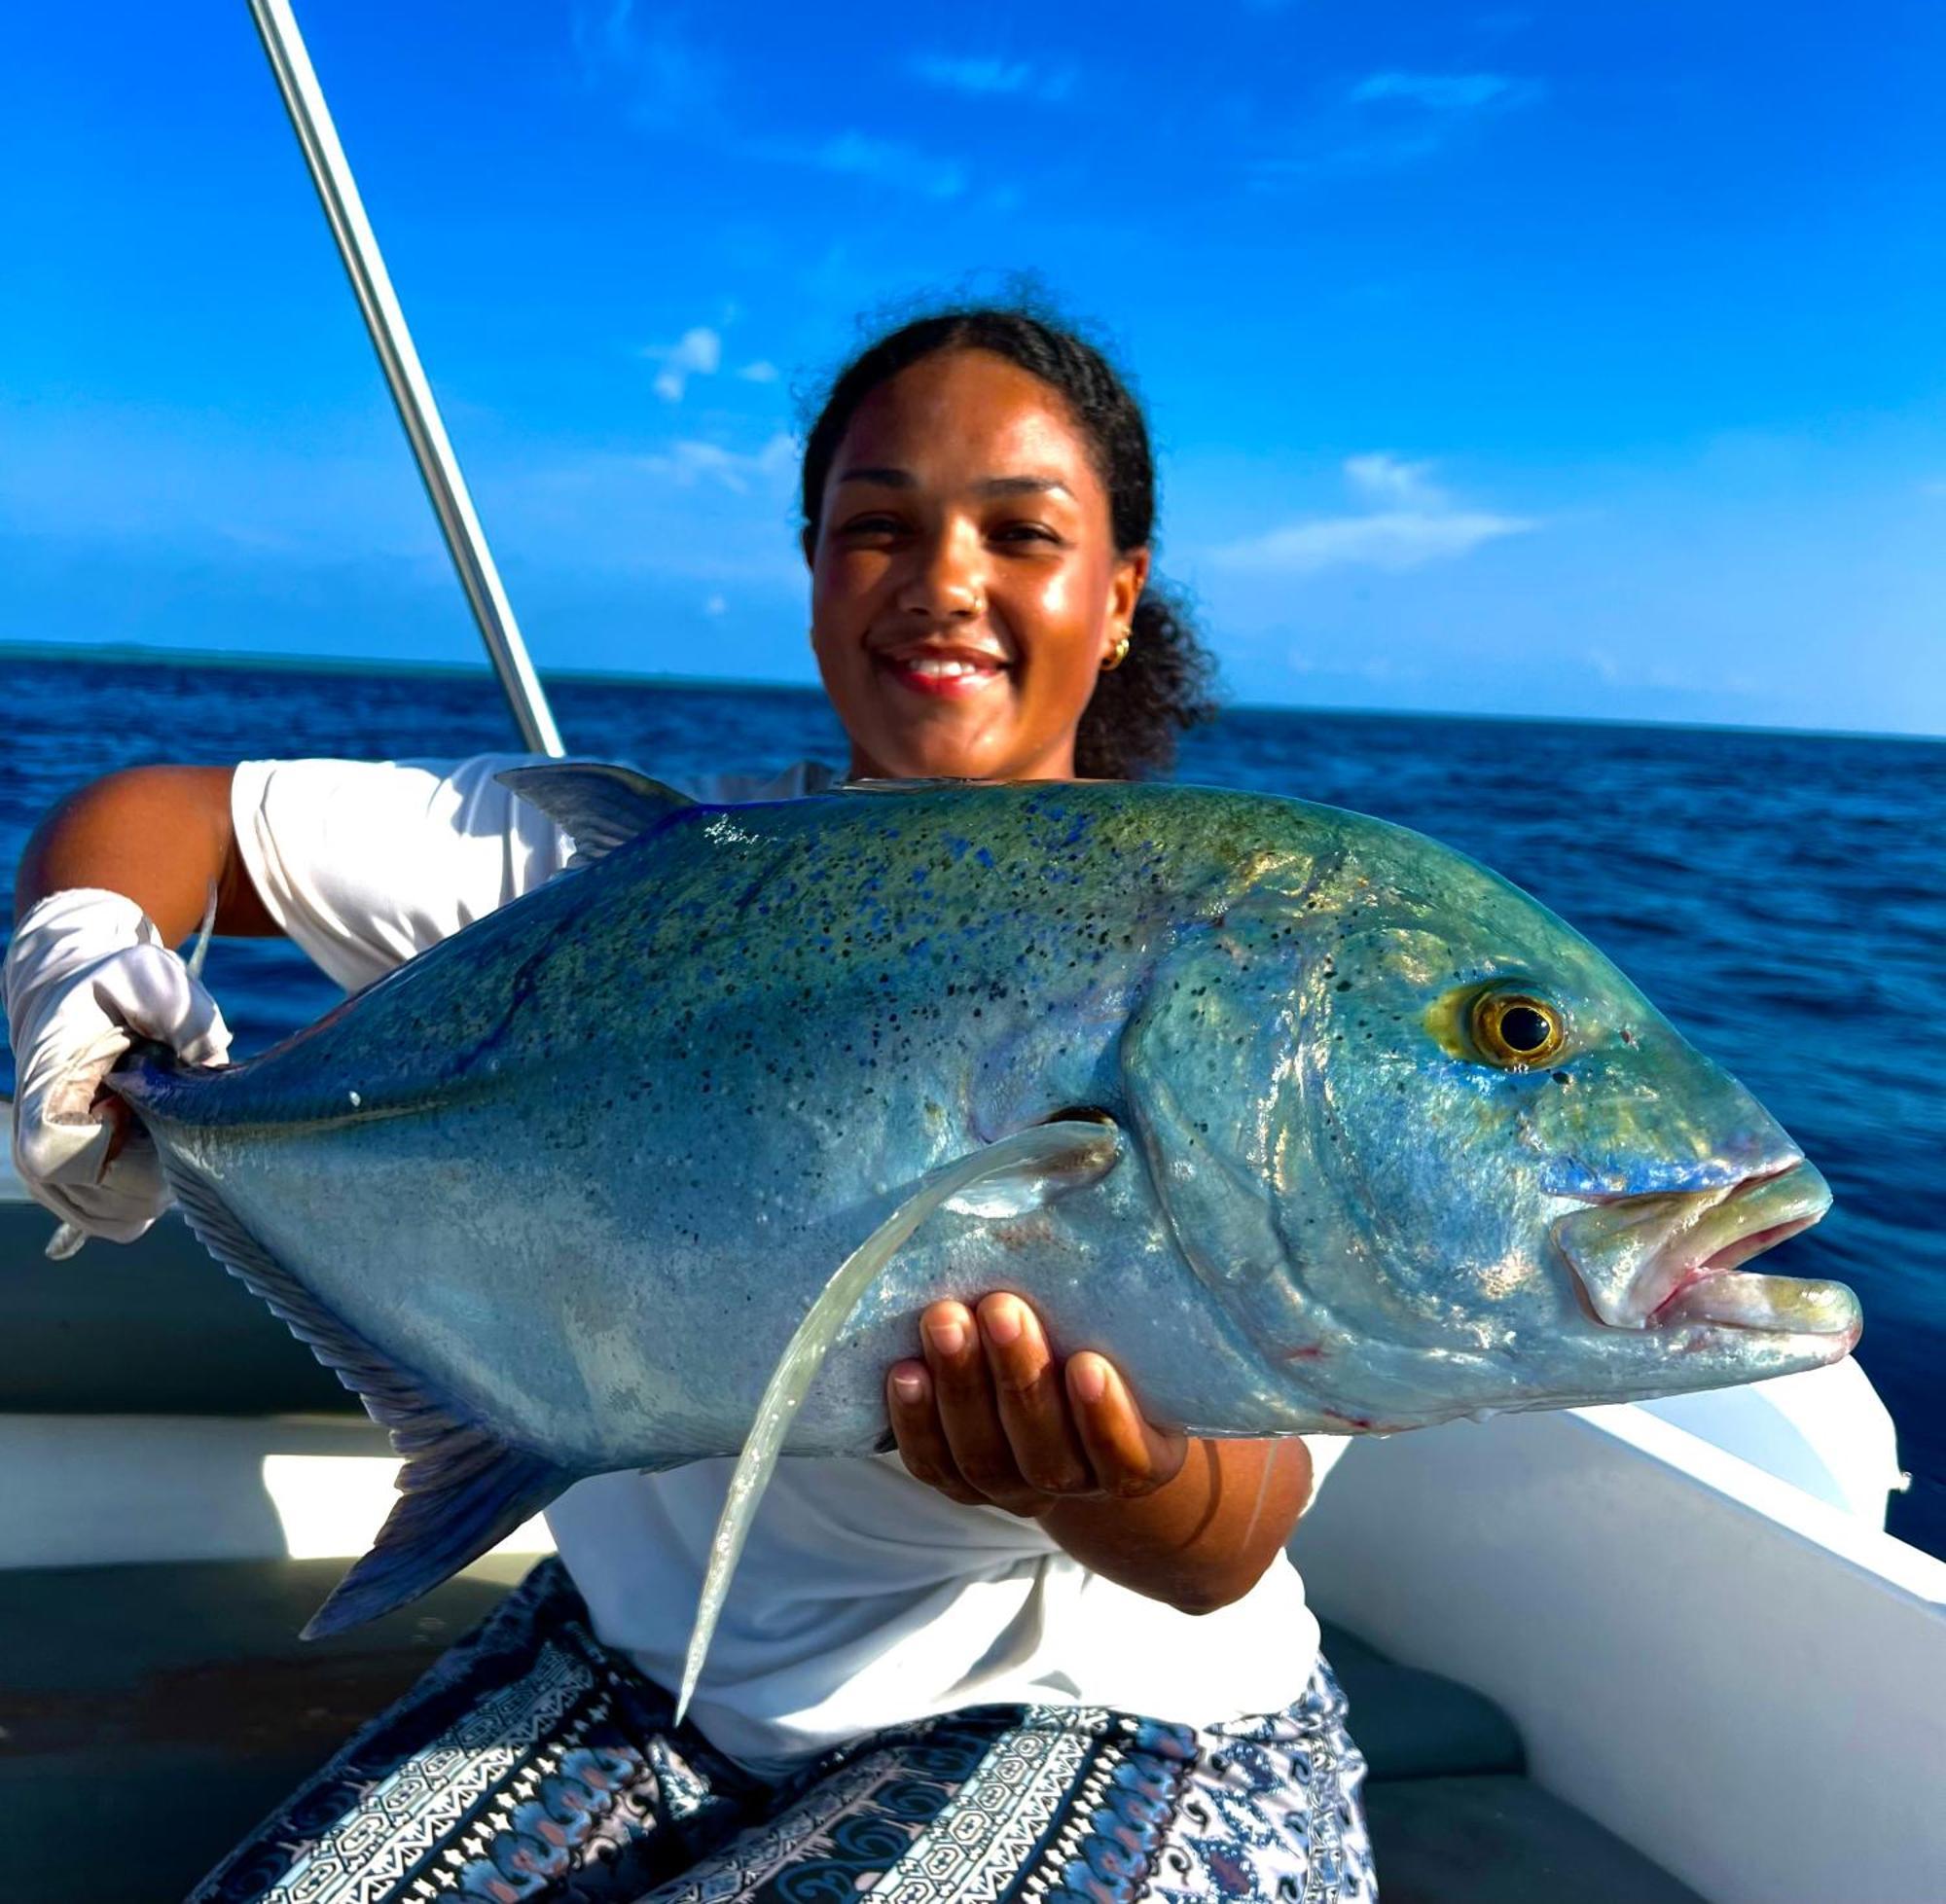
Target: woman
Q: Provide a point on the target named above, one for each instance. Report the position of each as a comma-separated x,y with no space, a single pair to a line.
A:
968,1670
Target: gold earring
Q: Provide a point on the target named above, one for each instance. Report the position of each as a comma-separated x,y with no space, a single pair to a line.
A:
1116,655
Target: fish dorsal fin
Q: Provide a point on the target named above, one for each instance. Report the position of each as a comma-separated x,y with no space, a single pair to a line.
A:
462,1489
929,785
599,806
1018,1173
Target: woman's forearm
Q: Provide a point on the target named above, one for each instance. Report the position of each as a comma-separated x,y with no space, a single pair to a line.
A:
159,835
1202,1539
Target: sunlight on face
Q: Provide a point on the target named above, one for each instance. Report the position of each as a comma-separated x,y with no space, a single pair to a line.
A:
965,584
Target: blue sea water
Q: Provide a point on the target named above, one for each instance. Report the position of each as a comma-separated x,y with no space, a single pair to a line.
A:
1783,897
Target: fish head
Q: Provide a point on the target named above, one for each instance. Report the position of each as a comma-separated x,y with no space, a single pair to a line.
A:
1439,1156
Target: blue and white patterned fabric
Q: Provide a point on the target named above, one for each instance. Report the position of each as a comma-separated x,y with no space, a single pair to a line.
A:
533,1762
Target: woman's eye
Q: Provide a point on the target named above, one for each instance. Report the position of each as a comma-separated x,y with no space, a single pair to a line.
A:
1026,533
1516,1030
869,526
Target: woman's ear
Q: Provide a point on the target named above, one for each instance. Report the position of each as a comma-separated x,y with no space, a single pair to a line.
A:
1125,589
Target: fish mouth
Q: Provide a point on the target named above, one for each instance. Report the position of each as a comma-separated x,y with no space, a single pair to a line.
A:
1663,1261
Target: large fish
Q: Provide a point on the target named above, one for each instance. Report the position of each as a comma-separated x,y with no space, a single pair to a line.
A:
1306,1120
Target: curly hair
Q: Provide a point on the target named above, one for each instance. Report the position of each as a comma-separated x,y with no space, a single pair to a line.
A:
1165,685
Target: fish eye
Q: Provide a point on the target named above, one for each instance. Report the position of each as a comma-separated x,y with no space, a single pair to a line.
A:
1516,1030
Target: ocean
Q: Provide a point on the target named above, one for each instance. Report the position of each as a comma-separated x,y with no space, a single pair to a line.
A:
1781,896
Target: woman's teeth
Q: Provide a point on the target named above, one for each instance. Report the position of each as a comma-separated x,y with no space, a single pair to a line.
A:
945,675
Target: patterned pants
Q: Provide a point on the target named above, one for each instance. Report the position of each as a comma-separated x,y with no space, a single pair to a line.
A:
532,1762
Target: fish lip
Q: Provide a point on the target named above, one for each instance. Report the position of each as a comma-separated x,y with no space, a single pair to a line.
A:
1737,1252
1694,1242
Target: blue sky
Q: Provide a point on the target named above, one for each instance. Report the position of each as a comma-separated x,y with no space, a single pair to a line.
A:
1542,359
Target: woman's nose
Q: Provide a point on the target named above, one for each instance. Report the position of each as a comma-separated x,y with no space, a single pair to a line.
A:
948,579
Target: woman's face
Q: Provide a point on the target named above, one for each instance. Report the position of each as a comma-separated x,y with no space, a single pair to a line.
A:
966,585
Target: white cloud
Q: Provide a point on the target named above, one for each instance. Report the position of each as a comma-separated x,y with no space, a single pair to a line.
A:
763,371
1300,660
1613,672
1405,521
986,77
1390,119
1444,93
716,605
690,462
673,84
696,353
670,84
1379,478
889,161
1935,487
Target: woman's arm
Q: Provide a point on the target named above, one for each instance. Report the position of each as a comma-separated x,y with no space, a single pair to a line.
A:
989,1418
160,835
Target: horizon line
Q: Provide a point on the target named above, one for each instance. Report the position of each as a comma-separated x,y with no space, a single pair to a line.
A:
141,653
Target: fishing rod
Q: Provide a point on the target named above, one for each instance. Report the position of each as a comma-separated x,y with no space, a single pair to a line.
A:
405,376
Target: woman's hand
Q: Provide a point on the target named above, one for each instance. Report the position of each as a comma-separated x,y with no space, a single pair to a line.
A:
87,973
989,1418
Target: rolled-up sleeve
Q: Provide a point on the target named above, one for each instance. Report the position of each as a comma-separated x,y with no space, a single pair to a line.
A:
366,863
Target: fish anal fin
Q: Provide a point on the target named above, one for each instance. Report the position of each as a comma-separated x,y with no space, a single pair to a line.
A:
463,1490
442,1523
599,806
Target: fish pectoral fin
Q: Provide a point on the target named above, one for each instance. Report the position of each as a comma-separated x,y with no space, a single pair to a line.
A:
465,1491
1023,1171
1042,1165
599,806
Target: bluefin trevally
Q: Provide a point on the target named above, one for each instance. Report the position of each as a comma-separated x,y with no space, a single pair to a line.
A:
1306,1120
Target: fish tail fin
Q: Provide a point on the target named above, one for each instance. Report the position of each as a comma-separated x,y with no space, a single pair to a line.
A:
464,1489
152,1080
144,1055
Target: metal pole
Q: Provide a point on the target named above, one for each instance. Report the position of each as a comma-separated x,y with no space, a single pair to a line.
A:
465,540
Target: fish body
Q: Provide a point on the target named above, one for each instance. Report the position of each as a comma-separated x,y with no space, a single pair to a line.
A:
556,1193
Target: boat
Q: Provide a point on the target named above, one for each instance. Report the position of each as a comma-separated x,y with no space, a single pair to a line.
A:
1625,1655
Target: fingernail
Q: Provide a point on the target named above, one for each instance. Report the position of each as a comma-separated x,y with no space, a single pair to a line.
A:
1002,1323
1088,1378
906,1387
948,1337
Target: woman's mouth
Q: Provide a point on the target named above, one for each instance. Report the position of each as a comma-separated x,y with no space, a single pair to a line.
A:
951,674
